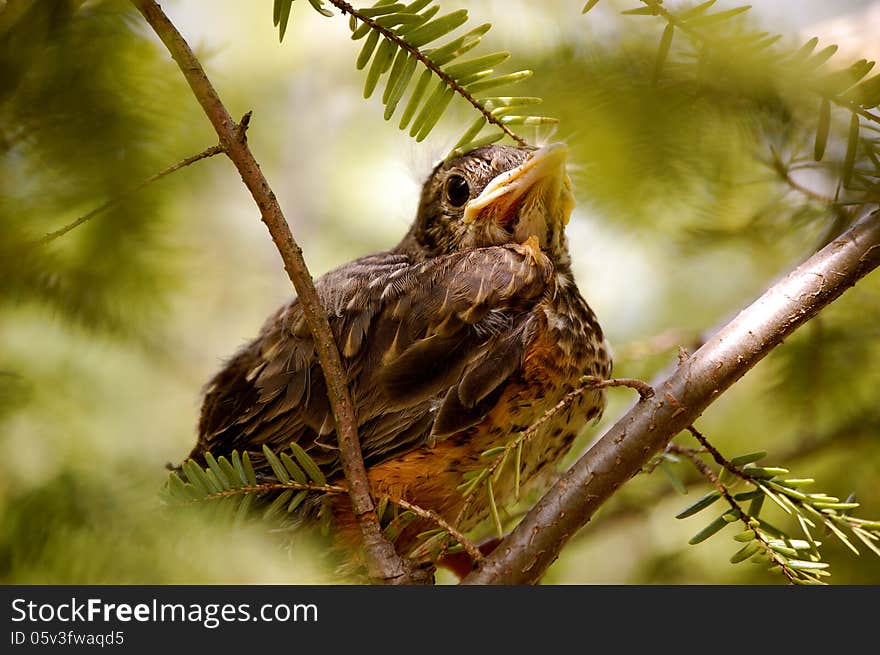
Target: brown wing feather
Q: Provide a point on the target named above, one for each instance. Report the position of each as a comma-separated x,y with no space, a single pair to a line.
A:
411,335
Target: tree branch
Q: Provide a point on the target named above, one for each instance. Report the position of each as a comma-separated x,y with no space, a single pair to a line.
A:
60,232
384,563
698,380
861,428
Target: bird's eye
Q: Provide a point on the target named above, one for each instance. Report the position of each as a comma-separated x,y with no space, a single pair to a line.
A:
458,192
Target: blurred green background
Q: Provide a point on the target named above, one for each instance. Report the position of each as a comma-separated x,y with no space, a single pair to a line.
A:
108,333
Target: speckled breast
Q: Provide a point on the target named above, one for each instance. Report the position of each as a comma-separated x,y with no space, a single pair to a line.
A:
567,344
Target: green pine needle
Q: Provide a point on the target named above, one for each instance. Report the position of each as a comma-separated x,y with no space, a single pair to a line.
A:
401,39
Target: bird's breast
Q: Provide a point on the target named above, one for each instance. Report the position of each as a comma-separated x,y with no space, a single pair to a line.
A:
563,343
567,344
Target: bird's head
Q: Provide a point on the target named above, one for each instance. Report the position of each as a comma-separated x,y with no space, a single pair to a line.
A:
492,196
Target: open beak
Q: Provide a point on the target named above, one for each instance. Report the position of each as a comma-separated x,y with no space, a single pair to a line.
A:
528,199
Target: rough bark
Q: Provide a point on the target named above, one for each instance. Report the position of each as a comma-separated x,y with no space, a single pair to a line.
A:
626,447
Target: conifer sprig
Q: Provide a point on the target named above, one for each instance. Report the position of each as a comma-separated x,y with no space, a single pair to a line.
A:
797,558
400,39
848,88
295,476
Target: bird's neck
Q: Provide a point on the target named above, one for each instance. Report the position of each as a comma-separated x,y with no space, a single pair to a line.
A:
557,251
411,248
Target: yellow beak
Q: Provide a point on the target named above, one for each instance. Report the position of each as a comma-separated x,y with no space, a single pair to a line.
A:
538,185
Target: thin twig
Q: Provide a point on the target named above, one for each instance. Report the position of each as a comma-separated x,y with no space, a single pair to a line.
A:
645,390
784,172
797,503
469,546
588,382
843,215
858,429
709,474
272,486
112,202
423,512
383,562
392,36
717,456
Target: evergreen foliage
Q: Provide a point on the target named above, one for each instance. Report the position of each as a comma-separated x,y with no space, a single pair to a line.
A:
798,558
53,105
719,41
286,485
716,153
396,39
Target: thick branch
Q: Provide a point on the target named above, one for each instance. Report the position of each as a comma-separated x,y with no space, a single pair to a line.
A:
701,378
384,563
